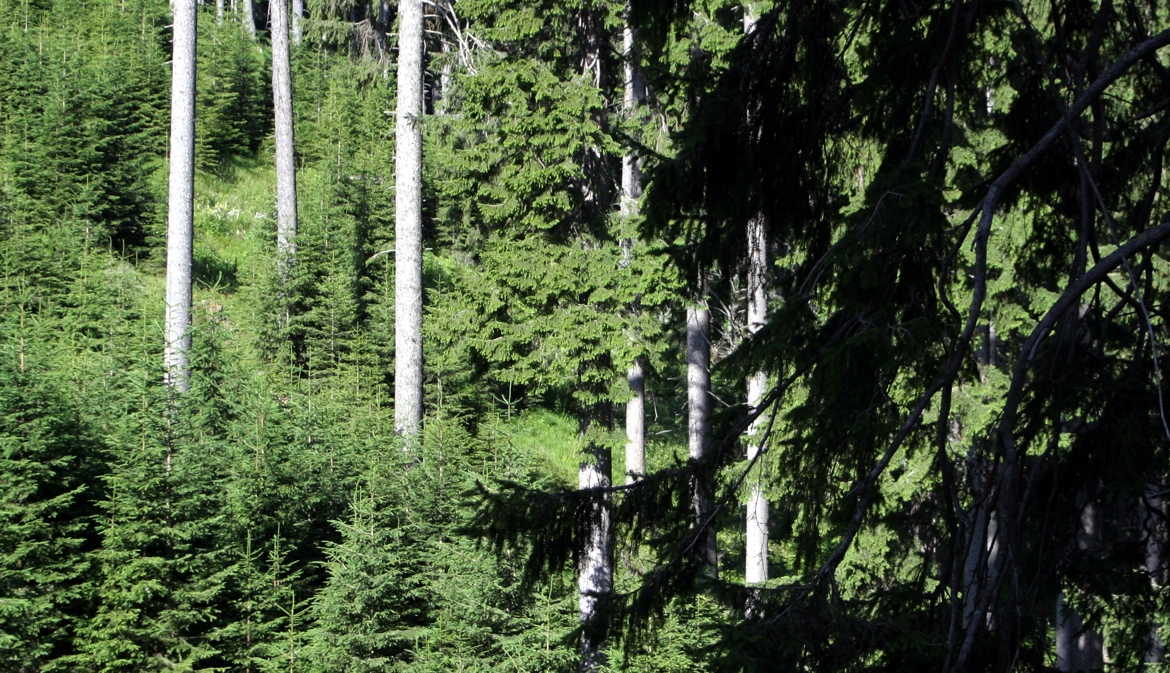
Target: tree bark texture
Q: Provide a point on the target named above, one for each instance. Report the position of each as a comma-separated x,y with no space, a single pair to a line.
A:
298,13
634,93
180,199
219,6
636,425
595,566
699,421
408,309
756,568
286,177
250,17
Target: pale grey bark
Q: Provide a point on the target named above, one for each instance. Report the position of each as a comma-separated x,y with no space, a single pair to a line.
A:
298,13
1078,648
219,6
595,566
699,421
286,178
756,569
408,310
634,93
250,17
636,425
180,198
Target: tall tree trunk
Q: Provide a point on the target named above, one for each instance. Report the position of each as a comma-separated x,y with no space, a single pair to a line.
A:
408,308
298,13
180,198
633,93
595,567
756,569
219,12
699,422
286,178
1078,648
250,17
636,425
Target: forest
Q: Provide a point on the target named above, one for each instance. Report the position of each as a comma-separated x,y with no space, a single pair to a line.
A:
584,335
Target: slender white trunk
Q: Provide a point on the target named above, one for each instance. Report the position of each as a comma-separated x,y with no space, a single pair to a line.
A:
595,567
250,17
1077,648
408,310
219,6
634,93
699,420
636,425
298,12
756,569
286,178
180,198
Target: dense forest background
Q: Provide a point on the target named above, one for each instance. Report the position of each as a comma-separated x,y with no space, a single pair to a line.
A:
958,434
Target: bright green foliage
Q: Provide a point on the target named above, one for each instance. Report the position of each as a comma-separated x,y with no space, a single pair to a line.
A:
371,607
235,93
81,126
50,470
268,520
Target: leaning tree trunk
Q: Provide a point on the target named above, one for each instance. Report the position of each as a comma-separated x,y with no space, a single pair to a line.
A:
756,568
180,198
408,308
699,426
286,178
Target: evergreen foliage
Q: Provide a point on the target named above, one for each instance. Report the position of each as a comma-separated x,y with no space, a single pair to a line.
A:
967,310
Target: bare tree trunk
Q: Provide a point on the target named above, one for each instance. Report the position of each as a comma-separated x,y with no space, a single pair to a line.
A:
1078,648
595,568
633,95
286,177
408,310
250,17
219,12
180,199
636,425
298,13
699,421
756,569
